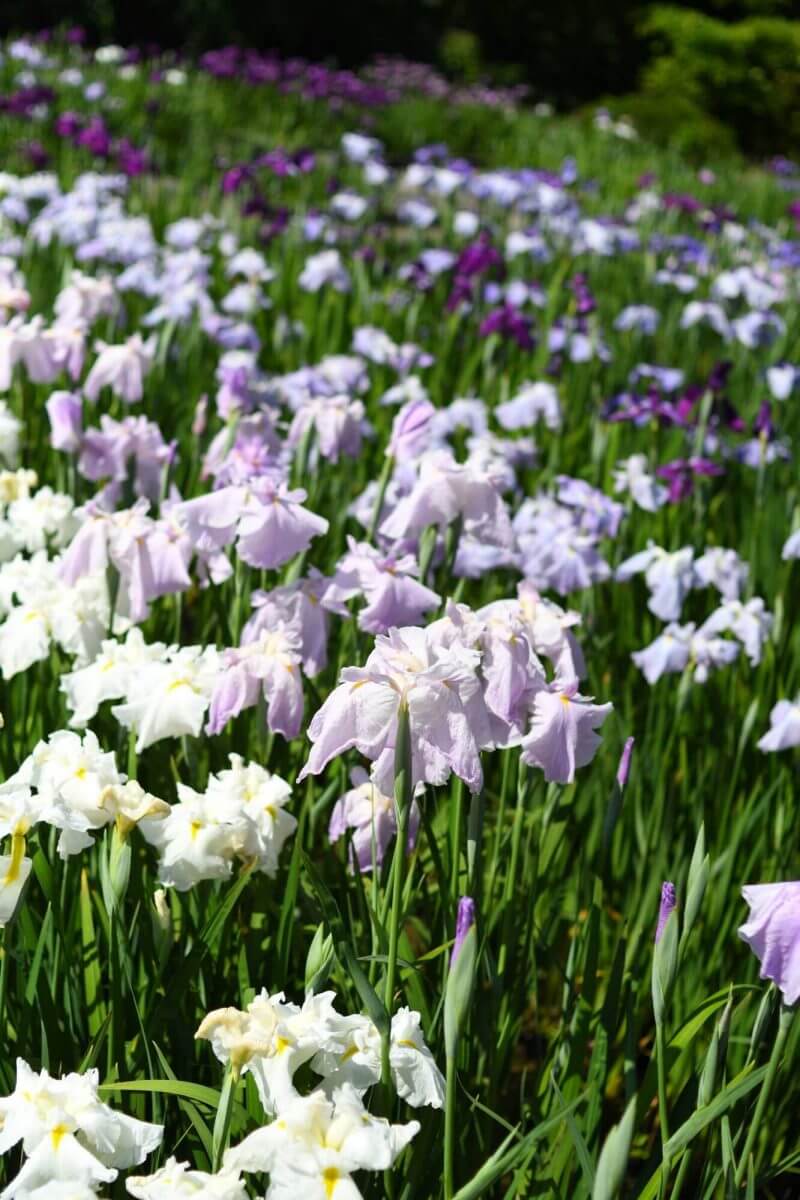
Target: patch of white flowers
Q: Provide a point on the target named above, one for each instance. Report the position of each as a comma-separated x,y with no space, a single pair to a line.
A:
73,1143
165,690
241,815
316,1142
71,784
71,1140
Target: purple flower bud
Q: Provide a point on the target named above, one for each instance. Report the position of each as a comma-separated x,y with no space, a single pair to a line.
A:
667,906
465,919
200,419
625,763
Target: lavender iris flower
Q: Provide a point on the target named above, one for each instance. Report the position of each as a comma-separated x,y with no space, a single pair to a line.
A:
304,607
122,368
562,735
444,491
65,410
394,596
784,730
371,816
448,718
268,666
267,520
773,934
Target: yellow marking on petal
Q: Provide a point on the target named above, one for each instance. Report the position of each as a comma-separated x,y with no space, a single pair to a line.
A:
194,829
81,773
407,1042
17,855
349,1053
179,683
281,1044
330,1177
564,700
56,1134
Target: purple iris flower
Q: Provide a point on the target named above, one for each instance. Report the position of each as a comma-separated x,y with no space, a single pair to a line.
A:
234,178
681,474
96,138
585,302
508,322
67,124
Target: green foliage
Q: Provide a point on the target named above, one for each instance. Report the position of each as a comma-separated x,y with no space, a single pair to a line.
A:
708,77
460,54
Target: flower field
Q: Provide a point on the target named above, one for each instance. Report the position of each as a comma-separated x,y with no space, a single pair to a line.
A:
399,656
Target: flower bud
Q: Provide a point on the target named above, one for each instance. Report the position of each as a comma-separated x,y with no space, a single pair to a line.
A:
625,763
465,919
461,976
161,917
665,958
318,960
666,907
115,872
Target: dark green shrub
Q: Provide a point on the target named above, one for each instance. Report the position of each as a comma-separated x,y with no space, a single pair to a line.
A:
460,55
744,75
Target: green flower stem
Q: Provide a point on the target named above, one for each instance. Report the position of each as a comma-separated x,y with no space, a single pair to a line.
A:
403,790
383,483
663,1112
449,1127
456,826
784,1025
222,1121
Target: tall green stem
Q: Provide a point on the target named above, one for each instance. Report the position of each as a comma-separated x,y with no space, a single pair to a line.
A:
766,1089
403,790
663,1112
449,1127
383,483
456,826
222,1121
